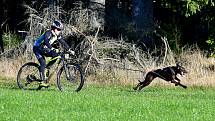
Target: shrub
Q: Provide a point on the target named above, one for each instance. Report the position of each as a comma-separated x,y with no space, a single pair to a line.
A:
11,40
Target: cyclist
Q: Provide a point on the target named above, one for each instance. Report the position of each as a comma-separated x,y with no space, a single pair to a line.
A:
46,46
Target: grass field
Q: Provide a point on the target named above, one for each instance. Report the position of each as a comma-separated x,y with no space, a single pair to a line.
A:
112,103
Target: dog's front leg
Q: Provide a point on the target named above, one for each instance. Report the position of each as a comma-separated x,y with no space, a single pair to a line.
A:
176,78
177,83
174,81
182,85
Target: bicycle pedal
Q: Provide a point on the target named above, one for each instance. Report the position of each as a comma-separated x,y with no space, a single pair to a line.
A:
39,88
44,85
27,83
47,87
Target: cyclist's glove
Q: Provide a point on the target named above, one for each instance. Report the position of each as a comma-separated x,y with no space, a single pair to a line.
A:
56,50
71,51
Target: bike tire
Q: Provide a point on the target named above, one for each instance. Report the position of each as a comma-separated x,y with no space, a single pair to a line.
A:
23,80
75,82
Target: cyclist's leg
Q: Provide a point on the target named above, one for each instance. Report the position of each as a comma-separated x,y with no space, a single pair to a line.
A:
42,72
46,67
41,59
52,54
42,68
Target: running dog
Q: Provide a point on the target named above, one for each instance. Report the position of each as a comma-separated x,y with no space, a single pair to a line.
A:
167,73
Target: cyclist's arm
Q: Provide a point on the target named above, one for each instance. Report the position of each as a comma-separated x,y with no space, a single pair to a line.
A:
65,45
48,35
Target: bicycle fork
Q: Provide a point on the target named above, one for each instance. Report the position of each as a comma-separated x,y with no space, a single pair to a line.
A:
68,74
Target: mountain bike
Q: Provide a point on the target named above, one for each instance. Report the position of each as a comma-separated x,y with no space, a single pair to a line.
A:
69,74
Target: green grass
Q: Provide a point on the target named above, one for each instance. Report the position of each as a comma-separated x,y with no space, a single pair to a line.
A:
112,103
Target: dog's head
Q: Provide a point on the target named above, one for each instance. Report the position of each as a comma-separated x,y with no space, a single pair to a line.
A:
180,69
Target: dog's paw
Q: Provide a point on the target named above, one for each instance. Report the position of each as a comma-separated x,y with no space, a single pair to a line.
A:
141,87
185,87
135,88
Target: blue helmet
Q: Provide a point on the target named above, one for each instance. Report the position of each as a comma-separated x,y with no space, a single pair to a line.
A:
57,24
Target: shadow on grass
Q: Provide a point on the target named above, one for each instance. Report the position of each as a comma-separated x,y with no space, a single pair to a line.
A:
13,86
155,89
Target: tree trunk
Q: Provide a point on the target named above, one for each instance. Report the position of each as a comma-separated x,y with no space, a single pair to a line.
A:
1,31
53,9
142,16
97,18
1,42
117,17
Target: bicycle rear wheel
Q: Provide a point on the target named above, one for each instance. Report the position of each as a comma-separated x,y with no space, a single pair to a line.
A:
28,76
72,80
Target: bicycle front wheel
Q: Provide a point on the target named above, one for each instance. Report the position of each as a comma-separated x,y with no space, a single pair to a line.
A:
70,79
28,76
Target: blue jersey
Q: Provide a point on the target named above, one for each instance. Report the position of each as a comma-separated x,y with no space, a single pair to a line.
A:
40,40
48,38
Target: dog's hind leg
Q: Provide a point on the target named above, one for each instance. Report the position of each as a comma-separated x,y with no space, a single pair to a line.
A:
138,85
149,77
144,84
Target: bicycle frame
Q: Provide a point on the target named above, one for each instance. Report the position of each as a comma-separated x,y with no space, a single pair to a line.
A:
65,65
61,59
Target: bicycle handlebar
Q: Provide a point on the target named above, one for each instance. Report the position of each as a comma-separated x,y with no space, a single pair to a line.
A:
64,54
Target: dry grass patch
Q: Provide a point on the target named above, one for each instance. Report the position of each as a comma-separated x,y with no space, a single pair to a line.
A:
201,71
